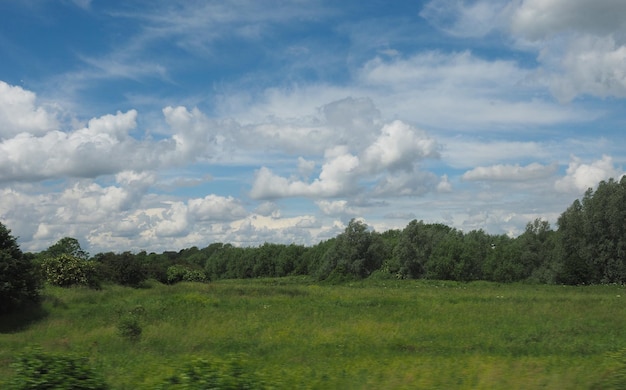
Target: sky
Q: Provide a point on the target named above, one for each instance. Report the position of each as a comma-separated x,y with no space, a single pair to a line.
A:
161,125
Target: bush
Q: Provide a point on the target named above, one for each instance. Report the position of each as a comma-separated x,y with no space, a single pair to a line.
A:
37,370
19,281
67,270
125,269
129,327
179,273
203,374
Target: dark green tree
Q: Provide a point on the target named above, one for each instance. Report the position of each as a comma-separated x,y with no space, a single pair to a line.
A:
414,249
355,253
125,268
19,280
66,246
592,236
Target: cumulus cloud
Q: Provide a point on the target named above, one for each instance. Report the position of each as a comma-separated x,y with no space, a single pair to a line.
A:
216,208
444,185
336,208
504,172
580,176
579,44
591,65
19,113
347,121
399,147
337,177
32,148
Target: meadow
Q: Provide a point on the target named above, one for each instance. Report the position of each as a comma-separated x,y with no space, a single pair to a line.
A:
372,334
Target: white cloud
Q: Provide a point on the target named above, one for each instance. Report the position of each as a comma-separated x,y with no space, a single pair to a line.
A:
462,91
505,172
174,221
462,18
100,148
216,208
444,185
19,113
399,147
464,152
541,19
580,176
30,149
591,65
336,208
337,177
405,183
580,44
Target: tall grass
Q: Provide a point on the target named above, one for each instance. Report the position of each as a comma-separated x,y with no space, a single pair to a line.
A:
370,334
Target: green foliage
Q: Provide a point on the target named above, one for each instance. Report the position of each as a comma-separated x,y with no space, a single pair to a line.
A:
129,324
19,280
356,252
592,236
66,270
129,327
179,273
66,246
37,370
125,268
414,249
215,374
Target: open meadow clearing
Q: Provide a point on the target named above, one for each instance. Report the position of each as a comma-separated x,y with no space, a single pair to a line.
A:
373,334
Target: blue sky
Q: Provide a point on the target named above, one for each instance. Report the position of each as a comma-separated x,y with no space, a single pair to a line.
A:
160,125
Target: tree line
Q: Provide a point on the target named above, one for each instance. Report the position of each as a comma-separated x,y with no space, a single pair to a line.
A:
588,247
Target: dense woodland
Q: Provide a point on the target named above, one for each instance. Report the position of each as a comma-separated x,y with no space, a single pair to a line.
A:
588,247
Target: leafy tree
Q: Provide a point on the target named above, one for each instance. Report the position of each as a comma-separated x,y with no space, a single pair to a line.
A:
66,246
445,257
414,248
501,263
125,268
356,252
19,281
66,270
592,236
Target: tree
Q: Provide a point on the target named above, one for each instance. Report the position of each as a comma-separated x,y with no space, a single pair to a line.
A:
66,270
356,252
125,268
66,246
19,281
592,236
415,247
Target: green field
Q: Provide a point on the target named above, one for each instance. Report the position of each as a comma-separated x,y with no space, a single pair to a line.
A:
374,334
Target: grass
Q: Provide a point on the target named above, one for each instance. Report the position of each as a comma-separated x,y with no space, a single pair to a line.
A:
364,335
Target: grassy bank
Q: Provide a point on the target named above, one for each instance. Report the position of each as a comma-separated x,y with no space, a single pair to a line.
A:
371,334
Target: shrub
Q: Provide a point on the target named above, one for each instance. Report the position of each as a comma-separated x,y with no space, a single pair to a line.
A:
67,270
204,374
129,327
19,281
179,273
37,370
125,268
